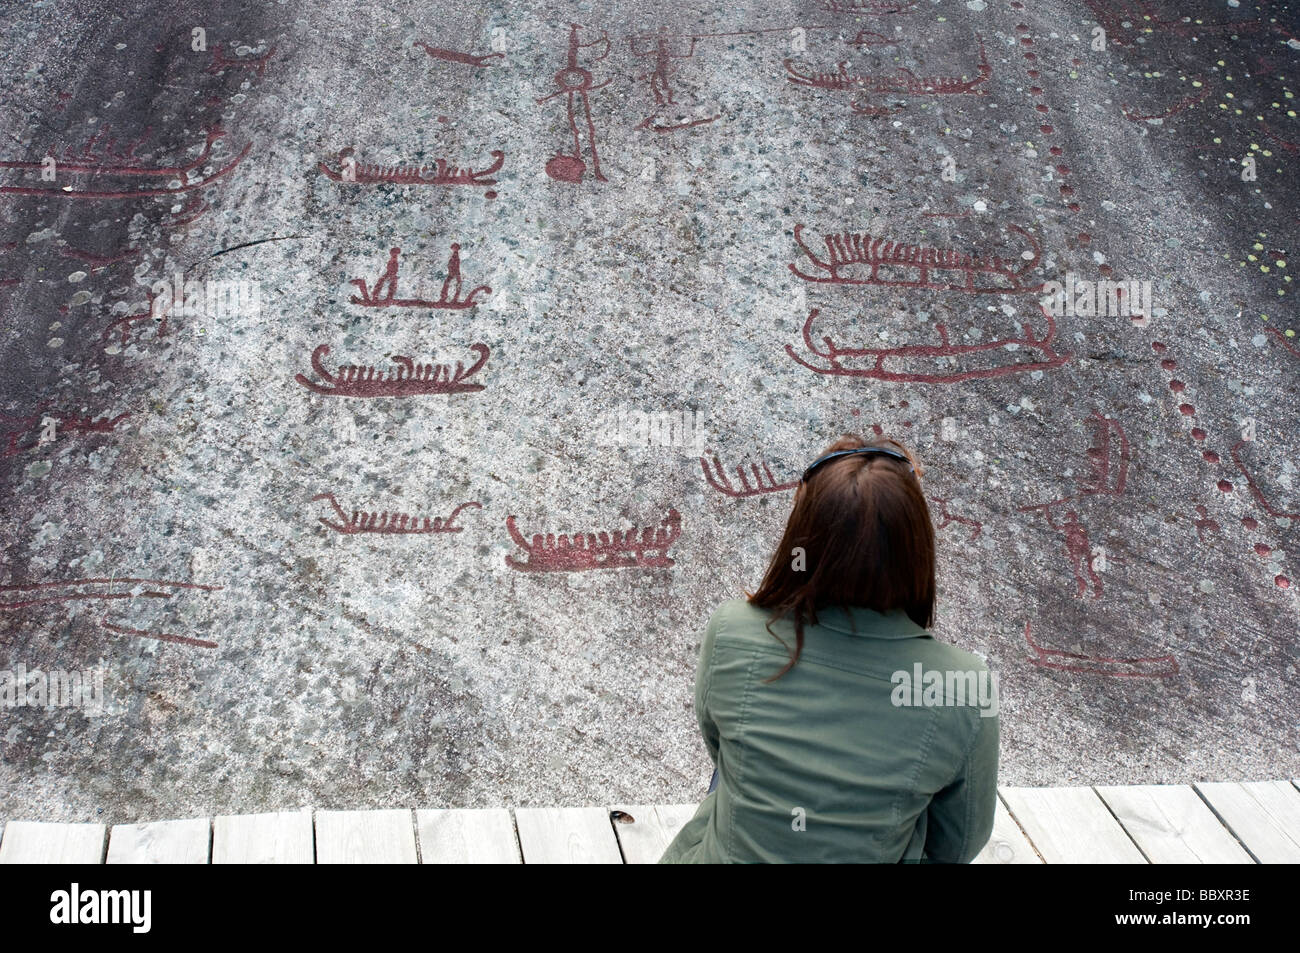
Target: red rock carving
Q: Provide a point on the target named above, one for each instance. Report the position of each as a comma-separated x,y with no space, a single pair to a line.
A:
440,173
407,380
154,312
903,82
764,481
586,551
1109,461
834,356
383,294
100,262
1187,102
109,159
20,596
65,424
1204,524
915,266
220,62
392,524
1281,339
947,518
1160,666
577,83
1255,491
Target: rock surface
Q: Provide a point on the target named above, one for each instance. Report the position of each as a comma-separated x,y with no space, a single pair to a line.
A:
1116,495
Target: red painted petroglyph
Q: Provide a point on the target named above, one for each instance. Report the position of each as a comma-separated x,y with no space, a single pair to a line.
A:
948,518
1204,524
834,355
158,636
1182,105
1286,144
454,56
100,262
1199,434
903,82
663,49
392,524
440,173
1281,339
1108,459
660,46
109,159
1254,486
20,596
1160,666
1078,550
764,481
407,380
193,209
847,251
64,424
220,62
577,83
155,311
647,549
383,294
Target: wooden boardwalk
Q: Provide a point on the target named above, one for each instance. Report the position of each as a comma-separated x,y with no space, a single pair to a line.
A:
1227,822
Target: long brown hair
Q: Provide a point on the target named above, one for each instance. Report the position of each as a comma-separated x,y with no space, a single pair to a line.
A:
866,539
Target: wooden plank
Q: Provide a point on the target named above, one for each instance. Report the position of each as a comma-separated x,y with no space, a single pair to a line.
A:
1070,825
1008,843
36,842
365,837
644,831
160,842
567,835
281,837
1172,825
467,837
1265,816
674,816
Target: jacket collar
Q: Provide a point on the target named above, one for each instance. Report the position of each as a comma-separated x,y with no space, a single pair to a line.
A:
867,623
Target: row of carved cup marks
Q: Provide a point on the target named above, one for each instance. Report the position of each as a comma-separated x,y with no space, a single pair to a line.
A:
1193,73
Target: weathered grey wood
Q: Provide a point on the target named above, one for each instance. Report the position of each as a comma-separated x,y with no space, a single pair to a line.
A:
1172,825
161,842
1070,825
36,842
283,837
674,816
567,835
467,837
1008,843
365,837
644,831
1264,815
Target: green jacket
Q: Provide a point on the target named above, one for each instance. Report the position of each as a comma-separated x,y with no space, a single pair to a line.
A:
841,759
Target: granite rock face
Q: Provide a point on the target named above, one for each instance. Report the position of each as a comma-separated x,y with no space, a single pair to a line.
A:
460,276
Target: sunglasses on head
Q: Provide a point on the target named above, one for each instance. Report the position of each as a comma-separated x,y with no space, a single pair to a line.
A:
879,451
